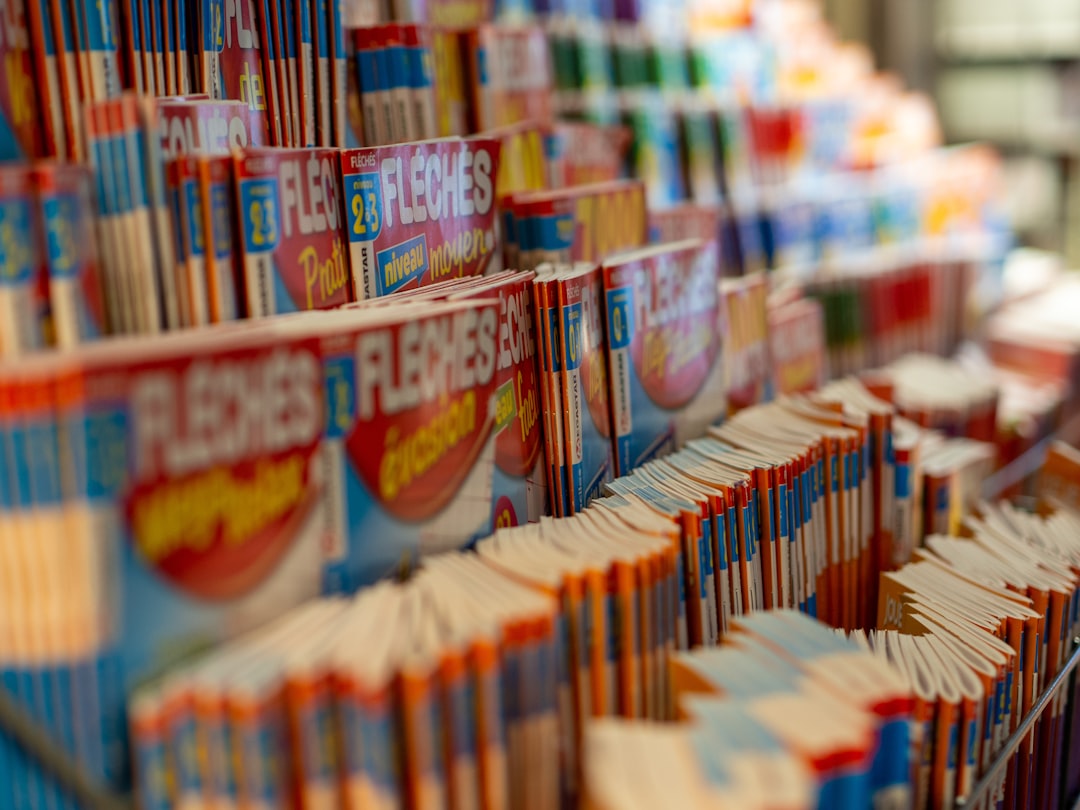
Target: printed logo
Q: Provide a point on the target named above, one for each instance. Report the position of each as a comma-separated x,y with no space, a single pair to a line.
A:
262,222
222,450
403,264
363,207
423,407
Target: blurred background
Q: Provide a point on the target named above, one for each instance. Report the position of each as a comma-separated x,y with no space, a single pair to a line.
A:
1004,72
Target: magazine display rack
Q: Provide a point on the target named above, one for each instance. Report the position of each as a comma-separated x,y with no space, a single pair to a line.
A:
1065,680
72,777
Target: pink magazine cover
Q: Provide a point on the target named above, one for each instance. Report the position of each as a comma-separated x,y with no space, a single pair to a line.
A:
291,224
419,213
231,63
665,335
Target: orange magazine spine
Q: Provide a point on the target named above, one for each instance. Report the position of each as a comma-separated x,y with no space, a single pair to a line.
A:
967,758
882,540
766,495
922,755
721,562
946,753
1040,600
599,644
850,531
833,527
420,748
552,451
462,783
742,495
490,733
571,597
692,581
622,580
643,601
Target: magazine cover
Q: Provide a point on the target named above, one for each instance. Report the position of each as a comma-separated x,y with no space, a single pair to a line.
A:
231,64
747,349
205,127
291,222
510,74
149,446
411,433
579,153
665,332
797,346
419,213
520,489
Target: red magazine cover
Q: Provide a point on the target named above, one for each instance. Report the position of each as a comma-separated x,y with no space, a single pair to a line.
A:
232,65
419,213
291,224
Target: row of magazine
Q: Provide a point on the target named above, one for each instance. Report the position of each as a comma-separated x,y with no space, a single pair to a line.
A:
786,714
214,236
909,714
286,62
981,624
764,152
164,495
442,692
876,317
494,692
